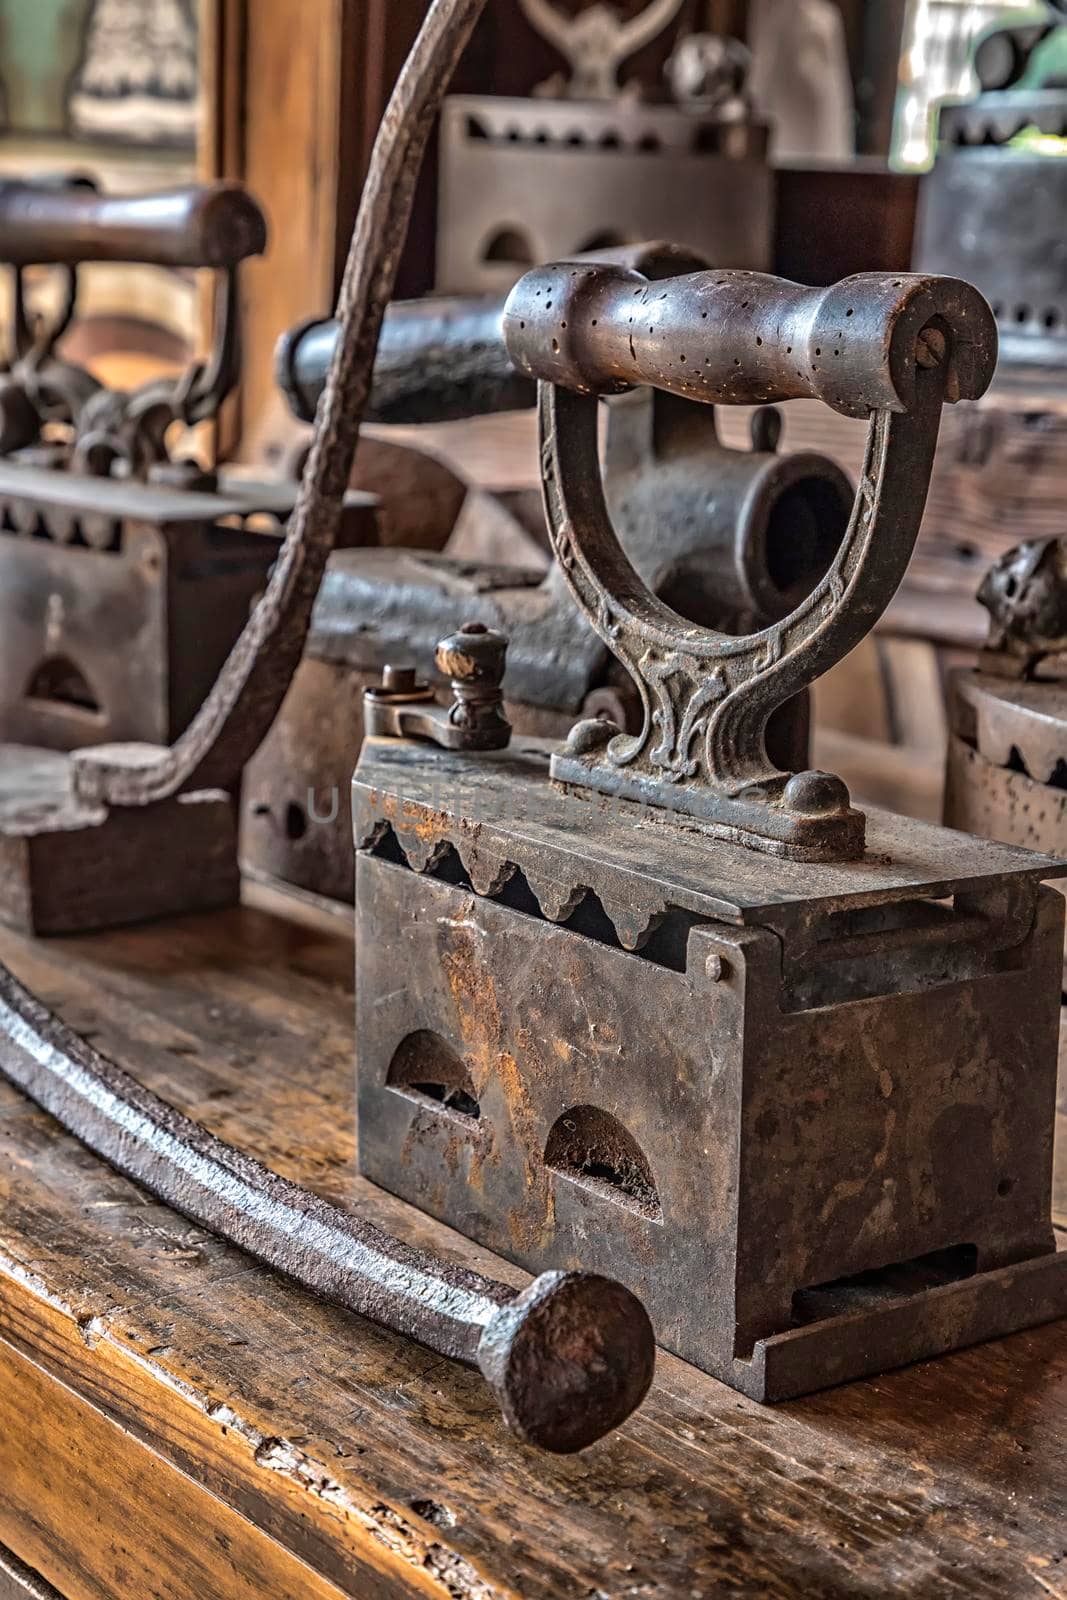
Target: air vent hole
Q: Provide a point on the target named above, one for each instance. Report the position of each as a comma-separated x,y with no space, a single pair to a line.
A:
591,1147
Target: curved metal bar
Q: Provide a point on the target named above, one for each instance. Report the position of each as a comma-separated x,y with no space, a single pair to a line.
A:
569,1358
212,382
234,719
21,331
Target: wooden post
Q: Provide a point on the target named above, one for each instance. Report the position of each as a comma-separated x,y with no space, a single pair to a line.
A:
293,94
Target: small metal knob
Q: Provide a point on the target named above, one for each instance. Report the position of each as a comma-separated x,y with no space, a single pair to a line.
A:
816,794
473,657
399,680
473,661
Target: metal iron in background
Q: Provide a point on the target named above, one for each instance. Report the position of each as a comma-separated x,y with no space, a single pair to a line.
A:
725,536
125,574
585,163
124,831
1006,776
992,209
647,1002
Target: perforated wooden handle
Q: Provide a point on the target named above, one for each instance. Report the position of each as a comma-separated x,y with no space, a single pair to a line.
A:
743,338
203,225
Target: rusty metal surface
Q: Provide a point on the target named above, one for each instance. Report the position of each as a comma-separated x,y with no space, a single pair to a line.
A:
1006,776
802,1024
501,813
568,1358
1014,723
893,350
119,602
1002,803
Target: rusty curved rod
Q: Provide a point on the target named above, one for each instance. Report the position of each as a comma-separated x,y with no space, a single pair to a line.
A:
568,1358
238,713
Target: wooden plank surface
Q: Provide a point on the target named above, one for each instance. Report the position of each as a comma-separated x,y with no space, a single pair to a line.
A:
177,1421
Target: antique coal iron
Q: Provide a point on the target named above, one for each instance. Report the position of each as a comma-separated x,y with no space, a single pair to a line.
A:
644,999
992,209
730,537
126,579
125,574
586,162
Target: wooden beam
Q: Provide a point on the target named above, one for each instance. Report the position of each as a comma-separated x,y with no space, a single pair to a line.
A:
293,94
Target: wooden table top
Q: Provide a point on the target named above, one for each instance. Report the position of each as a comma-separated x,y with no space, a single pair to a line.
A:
178,1422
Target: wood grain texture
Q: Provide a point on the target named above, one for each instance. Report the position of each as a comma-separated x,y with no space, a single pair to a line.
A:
376,1467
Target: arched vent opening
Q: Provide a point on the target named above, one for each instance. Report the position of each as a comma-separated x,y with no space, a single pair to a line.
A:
591,1147
59,685
426,1069
509,246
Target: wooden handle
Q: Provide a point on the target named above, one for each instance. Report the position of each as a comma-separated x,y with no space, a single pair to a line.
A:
743,338
204,225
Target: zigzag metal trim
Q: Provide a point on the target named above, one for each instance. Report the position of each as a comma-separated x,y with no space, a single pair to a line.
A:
489,876
62,525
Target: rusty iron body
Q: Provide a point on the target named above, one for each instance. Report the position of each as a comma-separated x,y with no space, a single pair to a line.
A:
993,213
594,174
786,1071
1006,776
728,537
120,600
125,575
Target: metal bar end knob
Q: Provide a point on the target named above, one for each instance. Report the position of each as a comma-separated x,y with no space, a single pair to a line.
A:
569,1359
